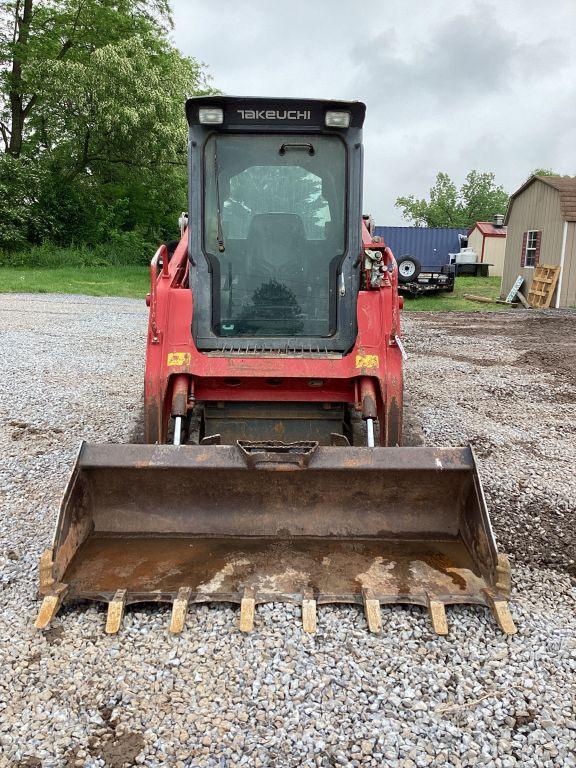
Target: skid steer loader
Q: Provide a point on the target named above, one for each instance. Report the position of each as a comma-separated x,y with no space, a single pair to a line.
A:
272,469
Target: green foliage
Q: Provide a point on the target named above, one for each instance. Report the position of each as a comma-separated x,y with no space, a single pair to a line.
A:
274,305
281,188
125,248
49,256
543,172
96,91
121,249
90,281
20,181
455,302
478,199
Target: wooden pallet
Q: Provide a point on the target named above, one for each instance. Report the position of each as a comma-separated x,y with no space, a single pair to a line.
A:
543,285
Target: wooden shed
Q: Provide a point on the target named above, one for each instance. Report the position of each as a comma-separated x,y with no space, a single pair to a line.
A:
541,229
488,238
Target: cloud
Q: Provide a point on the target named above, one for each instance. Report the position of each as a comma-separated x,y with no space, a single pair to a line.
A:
448,86
470,56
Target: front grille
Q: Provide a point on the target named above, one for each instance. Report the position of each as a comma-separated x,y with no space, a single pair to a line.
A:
253,350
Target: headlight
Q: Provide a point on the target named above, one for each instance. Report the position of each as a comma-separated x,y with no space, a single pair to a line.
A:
337,119
211,115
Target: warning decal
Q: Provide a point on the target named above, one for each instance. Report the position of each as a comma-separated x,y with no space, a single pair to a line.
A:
178,358
367,361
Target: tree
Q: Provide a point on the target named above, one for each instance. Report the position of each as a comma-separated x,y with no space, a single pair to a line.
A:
19,184
275,308
543,172
37,33
291,189
478,199
91,108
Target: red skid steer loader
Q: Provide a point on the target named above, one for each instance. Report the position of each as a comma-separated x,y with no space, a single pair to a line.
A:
272,469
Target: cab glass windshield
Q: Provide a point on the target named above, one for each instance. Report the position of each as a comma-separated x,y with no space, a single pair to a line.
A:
274,232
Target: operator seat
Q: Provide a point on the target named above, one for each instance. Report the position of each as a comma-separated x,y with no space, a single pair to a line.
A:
276,247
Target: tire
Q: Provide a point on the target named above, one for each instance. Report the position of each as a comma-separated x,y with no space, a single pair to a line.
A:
408,269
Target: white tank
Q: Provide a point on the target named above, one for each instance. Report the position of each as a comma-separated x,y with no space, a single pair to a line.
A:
467,256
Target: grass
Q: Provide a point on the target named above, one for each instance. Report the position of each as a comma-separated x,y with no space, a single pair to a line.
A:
133,282
455,302
130,281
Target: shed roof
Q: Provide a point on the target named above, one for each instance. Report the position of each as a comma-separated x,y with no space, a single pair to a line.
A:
488,229
566,186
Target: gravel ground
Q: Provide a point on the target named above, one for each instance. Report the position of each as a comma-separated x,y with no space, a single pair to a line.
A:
71,368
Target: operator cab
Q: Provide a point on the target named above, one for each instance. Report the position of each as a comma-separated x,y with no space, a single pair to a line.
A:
275,225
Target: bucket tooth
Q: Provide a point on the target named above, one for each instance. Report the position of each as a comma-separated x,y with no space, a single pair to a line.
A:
50,606
46,571
247,607
437,612
372,611
179,610
115,612
501,612
309,612
503,578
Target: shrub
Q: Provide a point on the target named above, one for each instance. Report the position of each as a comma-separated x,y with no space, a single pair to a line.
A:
124,249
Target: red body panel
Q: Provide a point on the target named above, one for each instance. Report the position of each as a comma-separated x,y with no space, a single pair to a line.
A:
219,376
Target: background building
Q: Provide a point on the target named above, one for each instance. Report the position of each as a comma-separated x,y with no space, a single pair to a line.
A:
541,229
488,239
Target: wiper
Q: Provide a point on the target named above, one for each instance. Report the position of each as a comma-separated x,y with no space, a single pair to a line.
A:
219,233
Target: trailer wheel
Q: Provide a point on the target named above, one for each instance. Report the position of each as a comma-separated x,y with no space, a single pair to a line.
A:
408,269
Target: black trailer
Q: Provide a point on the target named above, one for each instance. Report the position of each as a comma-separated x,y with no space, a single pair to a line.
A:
417,279
423,256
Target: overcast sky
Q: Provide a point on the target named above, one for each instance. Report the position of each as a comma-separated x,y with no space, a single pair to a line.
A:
448,85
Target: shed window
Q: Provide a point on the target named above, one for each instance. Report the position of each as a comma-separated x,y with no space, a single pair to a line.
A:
531,248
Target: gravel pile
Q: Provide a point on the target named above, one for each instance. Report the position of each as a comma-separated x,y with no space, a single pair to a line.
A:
71,368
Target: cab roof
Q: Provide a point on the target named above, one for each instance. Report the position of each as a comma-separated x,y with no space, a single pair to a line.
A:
260,111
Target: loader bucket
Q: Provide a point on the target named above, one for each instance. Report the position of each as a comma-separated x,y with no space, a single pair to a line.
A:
252,523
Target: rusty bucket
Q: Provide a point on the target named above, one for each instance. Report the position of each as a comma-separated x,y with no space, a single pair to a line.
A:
252,523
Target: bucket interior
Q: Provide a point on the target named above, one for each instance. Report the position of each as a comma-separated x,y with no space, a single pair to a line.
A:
155,519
